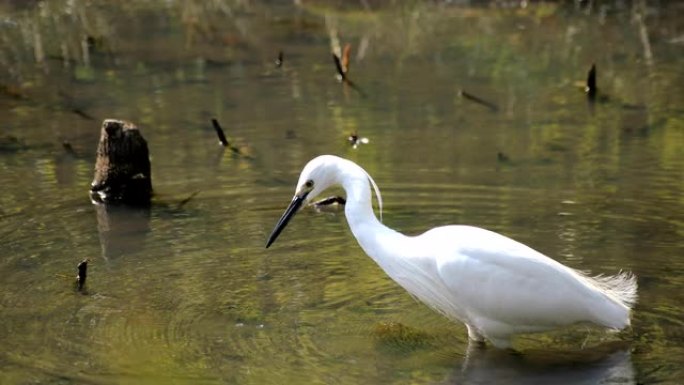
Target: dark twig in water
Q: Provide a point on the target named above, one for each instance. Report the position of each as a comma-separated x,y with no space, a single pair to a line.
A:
219,132
590,88
340,71
68,148
224,142
468,96
188,199
354,87
501,157
82,274
632,107
342,76
82,114
71,104
279,60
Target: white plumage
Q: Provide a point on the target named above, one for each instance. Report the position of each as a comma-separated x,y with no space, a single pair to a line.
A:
497,286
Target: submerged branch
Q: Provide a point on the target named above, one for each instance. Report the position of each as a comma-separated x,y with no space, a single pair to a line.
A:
468,96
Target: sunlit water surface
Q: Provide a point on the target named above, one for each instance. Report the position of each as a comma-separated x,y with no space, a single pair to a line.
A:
186,293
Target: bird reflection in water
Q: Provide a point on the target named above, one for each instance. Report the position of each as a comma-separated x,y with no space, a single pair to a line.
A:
609,363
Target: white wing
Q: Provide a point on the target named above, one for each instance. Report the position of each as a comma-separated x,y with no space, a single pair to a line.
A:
505,287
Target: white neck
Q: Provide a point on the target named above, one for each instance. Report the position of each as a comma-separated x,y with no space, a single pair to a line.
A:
373,237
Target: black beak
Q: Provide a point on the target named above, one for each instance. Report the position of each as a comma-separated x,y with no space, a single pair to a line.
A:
289,213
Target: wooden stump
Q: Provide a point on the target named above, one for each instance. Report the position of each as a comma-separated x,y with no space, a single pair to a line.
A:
122,168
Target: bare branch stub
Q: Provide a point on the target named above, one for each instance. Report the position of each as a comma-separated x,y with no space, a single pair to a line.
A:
591,89
219,132
82,274
279,60
340,70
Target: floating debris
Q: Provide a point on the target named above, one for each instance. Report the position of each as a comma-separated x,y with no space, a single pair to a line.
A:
355,140
82,274
468,96
279,60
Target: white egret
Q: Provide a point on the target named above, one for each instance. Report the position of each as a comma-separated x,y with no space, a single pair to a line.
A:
496,286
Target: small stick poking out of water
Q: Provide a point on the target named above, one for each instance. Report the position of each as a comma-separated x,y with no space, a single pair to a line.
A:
340,70
342,75
468,96
82,274
224,142
590,88
279,60
219,132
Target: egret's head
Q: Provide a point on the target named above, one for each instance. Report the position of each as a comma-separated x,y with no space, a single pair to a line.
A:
319,174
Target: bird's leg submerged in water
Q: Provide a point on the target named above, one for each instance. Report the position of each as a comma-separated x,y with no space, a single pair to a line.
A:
474,336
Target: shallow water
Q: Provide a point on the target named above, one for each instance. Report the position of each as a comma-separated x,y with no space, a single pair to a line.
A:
186,293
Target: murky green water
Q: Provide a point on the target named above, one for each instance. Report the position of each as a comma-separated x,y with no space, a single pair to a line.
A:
188,294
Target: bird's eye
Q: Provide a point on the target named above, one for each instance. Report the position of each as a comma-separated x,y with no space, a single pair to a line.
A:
309,184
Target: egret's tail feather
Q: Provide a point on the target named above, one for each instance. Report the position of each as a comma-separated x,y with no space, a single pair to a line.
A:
619,294
622,287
